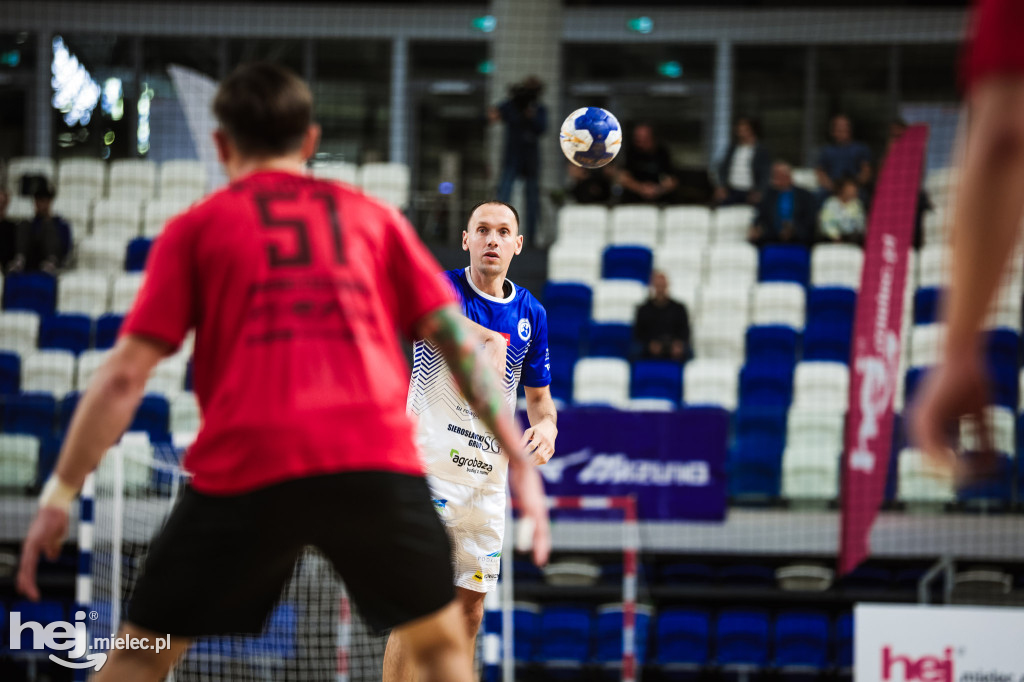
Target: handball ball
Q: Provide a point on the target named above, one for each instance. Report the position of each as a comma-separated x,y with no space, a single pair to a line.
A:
591,137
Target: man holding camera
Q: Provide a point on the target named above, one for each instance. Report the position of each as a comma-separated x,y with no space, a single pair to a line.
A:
526,119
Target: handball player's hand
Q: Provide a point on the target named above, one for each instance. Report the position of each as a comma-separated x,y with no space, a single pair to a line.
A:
959,387
541,540
45,536
539,442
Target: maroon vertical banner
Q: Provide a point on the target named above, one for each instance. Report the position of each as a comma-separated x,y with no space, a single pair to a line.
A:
874,361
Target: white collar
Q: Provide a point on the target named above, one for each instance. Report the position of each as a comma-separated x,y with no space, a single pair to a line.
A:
495,299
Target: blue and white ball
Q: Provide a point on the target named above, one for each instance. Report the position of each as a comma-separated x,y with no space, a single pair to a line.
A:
591,137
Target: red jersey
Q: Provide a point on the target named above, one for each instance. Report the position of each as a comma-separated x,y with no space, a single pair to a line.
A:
995,46
295,287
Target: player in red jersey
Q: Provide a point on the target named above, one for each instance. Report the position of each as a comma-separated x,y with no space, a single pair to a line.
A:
986,223
295,287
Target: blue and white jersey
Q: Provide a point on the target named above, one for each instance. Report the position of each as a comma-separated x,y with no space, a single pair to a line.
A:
454,443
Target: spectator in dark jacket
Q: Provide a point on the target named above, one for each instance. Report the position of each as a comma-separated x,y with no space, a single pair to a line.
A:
662,325
525,118
43,243
786,213
648,175
844,158
742,175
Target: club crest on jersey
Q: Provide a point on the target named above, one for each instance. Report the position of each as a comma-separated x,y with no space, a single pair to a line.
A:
524,329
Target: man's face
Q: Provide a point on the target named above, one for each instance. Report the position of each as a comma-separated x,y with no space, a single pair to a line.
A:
744,133
841,129
43,205
782,177
492,238
659,284
643,138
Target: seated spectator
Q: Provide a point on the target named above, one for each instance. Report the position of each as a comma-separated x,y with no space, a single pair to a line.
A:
647,175
43,243
742,174
662,325
842,216
591,185
786,212
844,158
8,234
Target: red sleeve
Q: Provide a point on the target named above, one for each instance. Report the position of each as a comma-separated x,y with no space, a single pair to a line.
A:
415,276
163,308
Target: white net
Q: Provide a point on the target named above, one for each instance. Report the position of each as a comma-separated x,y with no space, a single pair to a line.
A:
313,633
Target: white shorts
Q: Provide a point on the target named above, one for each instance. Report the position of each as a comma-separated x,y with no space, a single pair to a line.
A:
475,520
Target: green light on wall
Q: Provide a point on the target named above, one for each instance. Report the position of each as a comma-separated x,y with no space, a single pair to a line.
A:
485,67
485,24
641,24
670,69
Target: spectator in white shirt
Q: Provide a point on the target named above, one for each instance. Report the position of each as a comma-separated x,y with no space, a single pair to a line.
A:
742,175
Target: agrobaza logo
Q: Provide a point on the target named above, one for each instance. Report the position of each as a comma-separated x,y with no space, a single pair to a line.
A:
474,464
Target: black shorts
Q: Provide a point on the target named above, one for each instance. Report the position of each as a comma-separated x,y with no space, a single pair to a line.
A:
220,563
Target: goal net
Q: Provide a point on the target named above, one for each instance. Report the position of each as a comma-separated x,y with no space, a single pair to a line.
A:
313,633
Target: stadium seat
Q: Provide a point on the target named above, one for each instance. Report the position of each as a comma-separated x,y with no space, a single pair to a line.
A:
32,291
806,178
153,417
610,340
70,332
77,211
755,459
388,182
83,292
10,372
568,308
801,641
723,299
821,385
686,226
682,638
657,379
844,642
778,303
66,409
564,635
720,336
785,263
617,300
181,178
157,212
184,413
685,288
608,638
102,253
573,263
52,371
651,405
710,382
526,628
810,462
774,344
765,384
19,331
117,219
601,381
635,225
168,377
828,342
136,254
124,290
926,342
731,224
679,262
926,305
1001,423
731,264
563,365
933,266
32,414
831,305
742,639
995,490
912,382
342,171
107,327
20,208
627,262
1005,310
1002,348
837,265
19,457
279,639
132,180
21,166
917,483
88,363
579,224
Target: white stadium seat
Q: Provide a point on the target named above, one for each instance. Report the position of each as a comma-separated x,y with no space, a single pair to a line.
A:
616,300
118,218
168,377
583,225
720,336
837,265
84,291
918,483
933,266
77,211
569,263
810,473
19,331
185,413
935,226
136,455
679,262
821,385
926,344
650,405
88,362
341,171
734,264
724,299
805,178
157,212
19,455
21,208
182,177
51,371
710,382
731,224
815,426
103,253
1002,426
939,184
82,179
686,290
28,165
635,225
603,381
132,179
122,295
688,226
779,303
388,182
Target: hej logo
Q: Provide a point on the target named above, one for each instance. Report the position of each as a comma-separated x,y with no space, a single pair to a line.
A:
57,636
925,668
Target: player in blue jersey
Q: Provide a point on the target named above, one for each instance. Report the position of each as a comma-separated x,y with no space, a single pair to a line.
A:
465,465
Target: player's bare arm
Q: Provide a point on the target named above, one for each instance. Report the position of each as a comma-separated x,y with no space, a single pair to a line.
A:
528,488
495,346
539,439
105,411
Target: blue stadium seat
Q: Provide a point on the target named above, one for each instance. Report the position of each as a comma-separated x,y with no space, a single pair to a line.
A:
562,366
1002,352
657,379
801,640
755,459
153,417
683,638
564,635
609,339
831,304
107,327
10,373
829,341
686,574
785,263
568,308
627,262
994,490
608,638
526,627
278,640
136,254
926,305
69,332
49,449
43,612
742,638
844,641
898,442
33,291
66,410
771,344
1002,347
914,377
766,383
33,414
